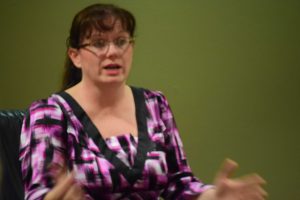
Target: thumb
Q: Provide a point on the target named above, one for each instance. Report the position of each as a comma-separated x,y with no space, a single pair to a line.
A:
61,188
61,174
57,171
226,170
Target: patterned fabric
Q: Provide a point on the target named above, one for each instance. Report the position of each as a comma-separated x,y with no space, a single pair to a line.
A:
152,165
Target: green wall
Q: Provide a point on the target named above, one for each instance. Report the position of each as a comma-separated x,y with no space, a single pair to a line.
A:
230,70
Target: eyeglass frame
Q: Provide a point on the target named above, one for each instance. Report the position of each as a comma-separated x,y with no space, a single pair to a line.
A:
130,40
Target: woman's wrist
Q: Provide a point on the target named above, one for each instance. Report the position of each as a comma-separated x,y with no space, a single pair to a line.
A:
209,194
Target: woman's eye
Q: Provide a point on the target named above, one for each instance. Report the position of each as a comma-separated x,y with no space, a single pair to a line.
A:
120,42
99,43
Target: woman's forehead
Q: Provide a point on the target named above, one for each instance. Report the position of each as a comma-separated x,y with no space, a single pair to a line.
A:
116,28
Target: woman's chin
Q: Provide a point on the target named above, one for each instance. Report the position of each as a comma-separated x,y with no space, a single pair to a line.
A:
113,80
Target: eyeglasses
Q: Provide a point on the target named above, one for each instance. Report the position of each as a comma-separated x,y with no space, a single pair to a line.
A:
100,46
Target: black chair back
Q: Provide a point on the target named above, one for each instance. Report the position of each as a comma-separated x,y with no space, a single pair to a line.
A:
11,187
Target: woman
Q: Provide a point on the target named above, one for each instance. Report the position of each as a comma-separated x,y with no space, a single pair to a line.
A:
102,139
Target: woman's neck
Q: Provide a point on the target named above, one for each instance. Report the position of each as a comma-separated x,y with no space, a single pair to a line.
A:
100,97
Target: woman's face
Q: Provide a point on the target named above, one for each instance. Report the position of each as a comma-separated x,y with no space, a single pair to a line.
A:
104,57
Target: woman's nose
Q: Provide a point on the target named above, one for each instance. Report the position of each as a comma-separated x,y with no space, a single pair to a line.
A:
112,50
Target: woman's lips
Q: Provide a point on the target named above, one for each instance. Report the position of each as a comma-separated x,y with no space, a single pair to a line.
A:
112,69
114,66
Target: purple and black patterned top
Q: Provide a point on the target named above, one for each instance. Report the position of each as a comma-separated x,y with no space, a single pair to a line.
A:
57,130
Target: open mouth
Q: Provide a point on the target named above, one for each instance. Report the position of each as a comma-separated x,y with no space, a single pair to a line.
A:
112,67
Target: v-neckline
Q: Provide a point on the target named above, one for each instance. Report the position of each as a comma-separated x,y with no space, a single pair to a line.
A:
144,144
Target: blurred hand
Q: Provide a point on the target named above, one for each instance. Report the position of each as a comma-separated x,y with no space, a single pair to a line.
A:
244,188
65,187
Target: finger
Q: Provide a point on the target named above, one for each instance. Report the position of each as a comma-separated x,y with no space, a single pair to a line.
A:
253,179
255,196
61,187
255,191
260,191
227,169
74,193
250,182
263,192
61,174
57,171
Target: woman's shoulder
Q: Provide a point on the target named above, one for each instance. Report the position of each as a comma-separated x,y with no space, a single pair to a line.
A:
48,104
150,93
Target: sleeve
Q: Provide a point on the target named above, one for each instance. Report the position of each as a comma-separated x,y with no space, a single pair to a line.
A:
42,148
182,184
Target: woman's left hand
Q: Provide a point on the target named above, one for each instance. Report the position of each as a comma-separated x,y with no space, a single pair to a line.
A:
244,188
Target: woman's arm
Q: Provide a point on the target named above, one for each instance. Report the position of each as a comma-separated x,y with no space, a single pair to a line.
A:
65,188
185,185
182,184
42,148
43,152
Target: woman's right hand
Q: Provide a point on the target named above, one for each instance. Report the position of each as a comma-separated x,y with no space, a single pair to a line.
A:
65,188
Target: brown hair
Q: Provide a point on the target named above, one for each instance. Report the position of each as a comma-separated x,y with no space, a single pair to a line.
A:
100,17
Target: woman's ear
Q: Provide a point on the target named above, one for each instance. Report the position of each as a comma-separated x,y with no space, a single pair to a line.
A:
75,57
